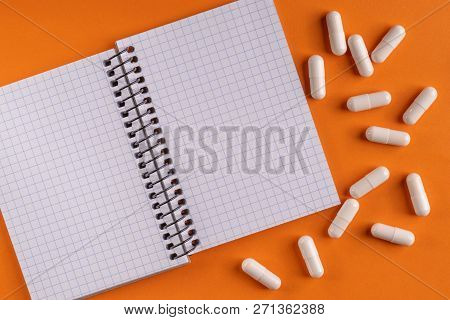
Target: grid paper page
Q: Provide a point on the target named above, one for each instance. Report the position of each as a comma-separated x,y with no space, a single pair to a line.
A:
71,195
231,68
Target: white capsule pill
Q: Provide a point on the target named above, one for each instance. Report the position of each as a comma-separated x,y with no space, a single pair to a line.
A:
311,256
316,69
343,218
258,272
419,198
369,101
360,55
387,136
336,33
389,42
392,234
420,105
369,182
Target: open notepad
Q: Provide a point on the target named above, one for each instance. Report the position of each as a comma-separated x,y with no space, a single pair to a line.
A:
106,175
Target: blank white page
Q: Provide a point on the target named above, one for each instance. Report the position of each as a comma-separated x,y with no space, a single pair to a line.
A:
231,68
71,195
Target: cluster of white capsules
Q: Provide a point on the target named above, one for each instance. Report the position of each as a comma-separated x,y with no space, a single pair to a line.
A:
373,179
381,231
363,62
271,281
377,134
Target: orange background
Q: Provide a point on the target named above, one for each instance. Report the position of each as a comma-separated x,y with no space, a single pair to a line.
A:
358,269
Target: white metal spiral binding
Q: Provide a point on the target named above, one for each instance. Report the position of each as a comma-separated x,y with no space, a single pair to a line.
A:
152,155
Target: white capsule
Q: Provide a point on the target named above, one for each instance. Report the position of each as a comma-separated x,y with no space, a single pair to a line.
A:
420,105
419,198
316,69
336,33
369,101
311,256
360,55
369,182
387,136
389,42
261,274
392,234
343,218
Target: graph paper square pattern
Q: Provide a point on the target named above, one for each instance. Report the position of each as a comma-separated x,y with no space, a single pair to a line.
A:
73,201
234,114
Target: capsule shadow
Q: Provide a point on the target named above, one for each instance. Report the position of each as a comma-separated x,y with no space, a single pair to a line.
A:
362,134
325,37
368,230
344,106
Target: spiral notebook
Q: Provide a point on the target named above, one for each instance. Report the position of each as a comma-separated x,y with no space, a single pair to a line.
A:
103,179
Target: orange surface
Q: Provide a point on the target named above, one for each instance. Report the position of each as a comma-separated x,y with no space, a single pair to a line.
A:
360,269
